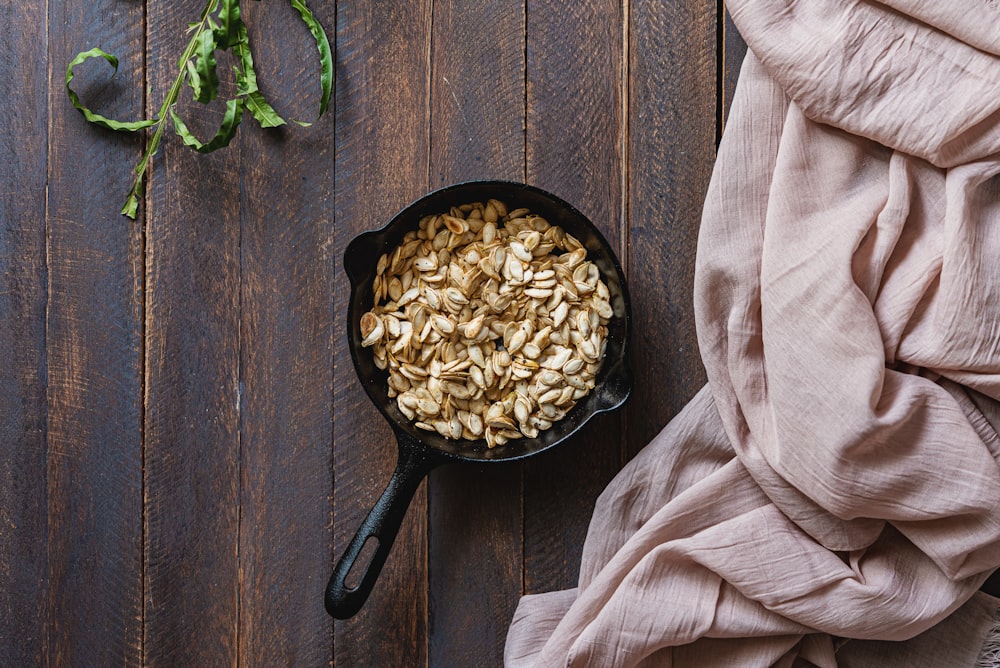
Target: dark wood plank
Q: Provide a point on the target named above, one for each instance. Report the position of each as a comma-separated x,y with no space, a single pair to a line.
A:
23,508
381,165
734,49
574,149
286,361
94,330
672,134
477,113
192,486
208,328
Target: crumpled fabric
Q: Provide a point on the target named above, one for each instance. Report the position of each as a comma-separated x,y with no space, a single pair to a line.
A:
838,476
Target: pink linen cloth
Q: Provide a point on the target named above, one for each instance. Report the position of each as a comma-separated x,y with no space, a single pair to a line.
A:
838,476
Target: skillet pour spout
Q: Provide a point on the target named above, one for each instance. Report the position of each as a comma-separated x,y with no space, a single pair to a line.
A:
420,451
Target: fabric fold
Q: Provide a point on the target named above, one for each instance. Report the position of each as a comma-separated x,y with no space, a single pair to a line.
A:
880,72
838,477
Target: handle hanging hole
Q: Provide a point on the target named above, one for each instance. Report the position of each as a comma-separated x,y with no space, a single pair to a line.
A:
360,566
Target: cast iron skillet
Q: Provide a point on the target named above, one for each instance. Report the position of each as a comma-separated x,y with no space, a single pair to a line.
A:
420,451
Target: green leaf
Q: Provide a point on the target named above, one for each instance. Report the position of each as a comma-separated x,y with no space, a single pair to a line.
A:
92,117
230,121
204,62
264,113
194,79
246,80
132,201
247,77
198,67
325,55
228,32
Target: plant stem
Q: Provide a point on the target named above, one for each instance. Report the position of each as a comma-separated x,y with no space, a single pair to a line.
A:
132,201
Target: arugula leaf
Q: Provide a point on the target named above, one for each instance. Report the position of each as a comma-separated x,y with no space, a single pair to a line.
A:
95,118
135,193
325,56
205,66
246,81
220,27
228,32
132,201
194,79
230,122
264,113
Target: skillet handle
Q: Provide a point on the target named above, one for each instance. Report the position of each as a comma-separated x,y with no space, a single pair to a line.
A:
353,579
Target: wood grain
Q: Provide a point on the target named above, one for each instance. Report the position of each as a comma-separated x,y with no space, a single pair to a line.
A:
185,449
477,110
672,134
286,358
574,149
23,278
382,137
94,344
192,453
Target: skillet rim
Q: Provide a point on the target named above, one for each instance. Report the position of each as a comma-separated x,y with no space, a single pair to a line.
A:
615,380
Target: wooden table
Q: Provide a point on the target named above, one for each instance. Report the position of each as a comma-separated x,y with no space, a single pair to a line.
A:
184,446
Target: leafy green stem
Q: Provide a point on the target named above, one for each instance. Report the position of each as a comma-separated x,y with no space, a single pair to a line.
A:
198,67
135,194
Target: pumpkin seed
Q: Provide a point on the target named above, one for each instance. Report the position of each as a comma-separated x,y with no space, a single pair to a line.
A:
475,273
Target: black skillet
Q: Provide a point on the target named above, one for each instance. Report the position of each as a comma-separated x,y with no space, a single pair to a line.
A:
420,451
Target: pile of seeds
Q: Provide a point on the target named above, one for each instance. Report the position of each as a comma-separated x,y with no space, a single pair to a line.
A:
492,323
